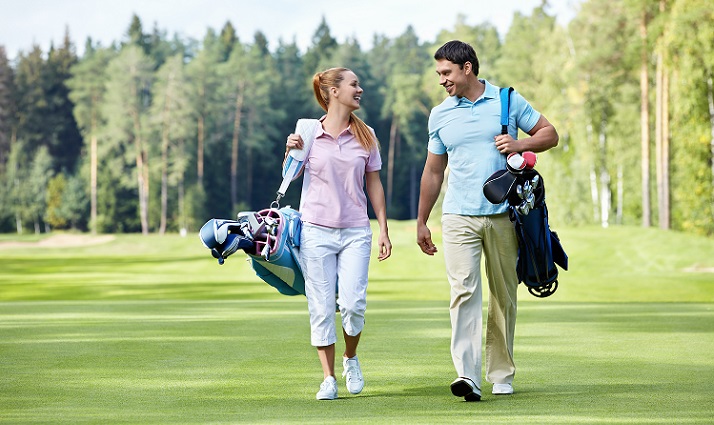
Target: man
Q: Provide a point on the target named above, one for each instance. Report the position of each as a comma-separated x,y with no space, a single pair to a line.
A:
465,134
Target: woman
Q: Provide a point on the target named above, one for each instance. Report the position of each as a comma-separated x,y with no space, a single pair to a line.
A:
336,238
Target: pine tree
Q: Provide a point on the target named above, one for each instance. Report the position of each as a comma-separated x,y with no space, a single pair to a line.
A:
7,108
87,91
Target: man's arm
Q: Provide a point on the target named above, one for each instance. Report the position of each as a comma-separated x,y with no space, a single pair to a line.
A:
431,180
543,137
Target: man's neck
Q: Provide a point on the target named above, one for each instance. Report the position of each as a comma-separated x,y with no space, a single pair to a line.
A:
475,90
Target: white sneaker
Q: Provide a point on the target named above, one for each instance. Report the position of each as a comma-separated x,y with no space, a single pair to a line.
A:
328,389
352,375
502,389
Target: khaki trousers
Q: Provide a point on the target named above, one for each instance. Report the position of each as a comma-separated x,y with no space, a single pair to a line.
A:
465,238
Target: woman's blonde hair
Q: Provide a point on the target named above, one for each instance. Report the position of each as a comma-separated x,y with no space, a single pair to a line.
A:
321,84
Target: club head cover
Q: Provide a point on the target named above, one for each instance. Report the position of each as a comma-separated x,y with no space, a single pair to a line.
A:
530,159
515,162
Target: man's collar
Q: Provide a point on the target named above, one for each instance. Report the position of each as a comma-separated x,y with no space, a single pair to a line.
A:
489,92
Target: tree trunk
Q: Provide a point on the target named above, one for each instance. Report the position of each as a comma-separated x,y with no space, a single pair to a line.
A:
199,153
141,175
164,183
414,192
93,174
181,195
234,147
710,101
645,125
593,178
143,190
18,223
605,192
658,134
620,195
166,125
662,131
393,130
183,228
594,194
665,220
249,176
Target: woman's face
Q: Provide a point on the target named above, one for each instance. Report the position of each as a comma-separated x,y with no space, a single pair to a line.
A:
349,92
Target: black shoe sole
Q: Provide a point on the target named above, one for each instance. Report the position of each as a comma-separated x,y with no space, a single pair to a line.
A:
472,397
461,388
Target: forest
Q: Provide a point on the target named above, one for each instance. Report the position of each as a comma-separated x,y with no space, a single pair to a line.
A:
156,133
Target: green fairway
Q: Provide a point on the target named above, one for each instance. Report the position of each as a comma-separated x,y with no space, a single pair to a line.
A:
152,330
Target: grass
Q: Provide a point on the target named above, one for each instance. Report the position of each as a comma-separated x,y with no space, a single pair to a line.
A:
152,330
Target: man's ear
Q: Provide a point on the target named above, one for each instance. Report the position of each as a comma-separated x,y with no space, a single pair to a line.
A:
468,68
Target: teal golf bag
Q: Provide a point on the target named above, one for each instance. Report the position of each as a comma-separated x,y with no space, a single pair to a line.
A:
270,238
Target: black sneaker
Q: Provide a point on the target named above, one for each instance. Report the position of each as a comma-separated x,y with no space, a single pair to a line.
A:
465,387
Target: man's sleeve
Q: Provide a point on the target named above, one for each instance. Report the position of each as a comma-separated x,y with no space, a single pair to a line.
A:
525,115
436,146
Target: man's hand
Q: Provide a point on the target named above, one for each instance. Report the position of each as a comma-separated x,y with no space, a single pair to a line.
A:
506,144
424,240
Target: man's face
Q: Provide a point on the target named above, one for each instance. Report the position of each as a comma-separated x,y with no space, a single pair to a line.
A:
452,77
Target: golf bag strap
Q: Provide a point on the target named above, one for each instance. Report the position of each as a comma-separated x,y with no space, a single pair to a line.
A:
505,94
306,129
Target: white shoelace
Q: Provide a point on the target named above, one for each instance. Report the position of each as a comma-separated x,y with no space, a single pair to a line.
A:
352,371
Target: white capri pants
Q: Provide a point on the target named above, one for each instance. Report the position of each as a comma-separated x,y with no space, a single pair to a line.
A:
328,256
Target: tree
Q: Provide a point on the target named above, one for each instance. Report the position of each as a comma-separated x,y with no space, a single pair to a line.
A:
7,108
202,72
31,104
136,36
169,114
61,133
87,91
662,122
248,77
690,46
644,8
404,107
323,45
35,191
606,64
127,102
55,190
16,179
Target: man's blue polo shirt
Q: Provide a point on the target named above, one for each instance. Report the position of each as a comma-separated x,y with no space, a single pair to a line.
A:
465,131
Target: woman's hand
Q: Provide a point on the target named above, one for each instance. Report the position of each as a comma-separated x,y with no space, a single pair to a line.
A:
294,142
385,246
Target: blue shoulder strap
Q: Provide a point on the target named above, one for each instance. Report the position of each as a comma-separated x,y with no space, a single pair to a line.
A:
505,107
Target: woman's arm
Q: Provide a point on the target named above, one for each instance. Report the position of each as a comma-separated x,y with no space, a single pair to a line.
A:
375,191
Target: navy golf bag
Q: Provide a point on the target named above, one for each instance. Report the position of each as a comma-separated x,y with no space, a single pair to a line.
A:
539,248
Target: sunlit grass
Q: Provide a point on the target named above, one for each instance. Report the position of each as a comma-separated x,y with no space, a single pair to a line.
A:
152,330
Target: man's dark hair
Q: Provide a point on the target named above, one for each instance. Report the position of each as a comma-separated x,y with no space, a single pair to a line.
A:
459,53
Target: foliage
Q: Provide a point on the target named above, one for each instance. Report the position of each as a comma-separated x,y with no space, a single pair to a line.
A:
185,130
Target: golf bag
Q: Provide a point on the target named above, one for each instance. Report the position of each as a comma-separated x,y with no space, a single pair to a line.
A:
269,237
539,248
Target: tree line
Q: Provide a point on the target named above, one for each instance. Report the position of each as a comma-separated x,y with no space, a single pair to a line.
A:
157,133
